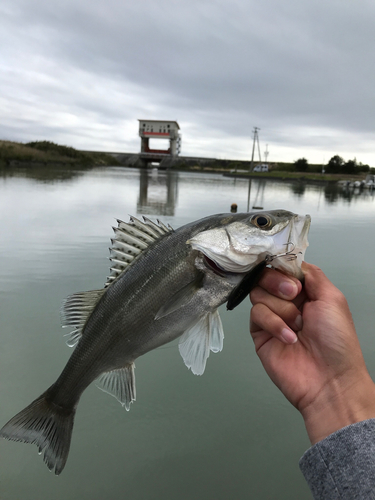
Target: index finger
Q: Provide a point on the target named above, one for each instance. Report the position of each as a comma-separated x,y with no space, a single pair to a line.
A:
279,284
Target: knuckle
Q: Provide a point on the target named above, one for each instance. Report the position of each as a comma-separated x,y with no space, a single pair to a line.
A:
256,313
341,299
257,295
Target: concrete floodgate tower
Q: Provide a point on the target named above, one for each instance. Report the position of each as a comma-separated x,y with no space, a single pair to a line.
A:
159,129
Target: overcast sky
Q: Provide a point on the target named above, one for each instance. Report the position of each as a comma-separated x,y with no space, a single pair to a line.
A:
82,72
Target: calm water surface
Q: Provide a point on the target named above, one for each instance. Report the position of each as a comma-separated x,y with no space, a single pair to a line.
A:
227,434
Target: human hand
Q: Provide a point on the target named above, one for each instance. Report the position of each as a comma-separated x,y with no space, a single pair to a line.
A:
321,370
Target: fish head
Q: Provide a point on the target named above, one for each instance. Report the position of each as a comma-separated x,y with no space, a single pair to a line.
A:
238,243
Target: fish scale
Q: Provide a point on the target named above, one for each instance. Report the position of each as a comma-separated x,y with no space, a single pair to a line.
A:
163,285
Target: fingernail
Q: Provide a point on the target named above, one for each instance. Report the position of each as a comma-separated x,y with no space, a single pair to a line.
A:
298,322
288,336
288,289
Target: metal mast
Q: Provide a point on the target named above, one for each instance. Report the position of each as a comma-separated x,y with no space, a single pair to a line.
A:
251,168
255,141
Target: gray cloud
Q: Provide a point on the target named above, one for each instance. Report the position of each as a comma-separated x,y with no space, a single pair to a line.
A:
84,73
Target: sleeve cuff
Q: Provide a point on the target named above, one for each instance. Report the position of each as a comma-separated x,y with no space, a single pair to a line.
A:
342,466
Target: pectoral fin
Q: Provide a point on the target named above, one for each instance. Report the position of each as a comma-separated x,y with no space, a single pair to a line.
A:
195,344
181,298
216,332
119,384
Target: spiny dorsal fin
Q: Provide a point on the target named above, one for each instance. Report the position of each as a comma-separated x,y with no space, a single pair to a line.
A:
131,238
75,310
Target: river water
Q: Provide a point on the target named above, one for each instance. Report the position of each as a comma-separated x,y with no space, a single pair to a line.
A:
227,434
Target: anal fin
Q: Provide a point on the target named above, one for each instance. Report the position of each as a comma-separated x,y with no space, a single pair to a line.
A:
120,384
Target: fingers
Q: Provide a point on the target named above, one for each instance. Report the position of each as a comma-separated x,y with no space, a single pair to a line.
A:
265,324
276,316
280,285
286,309
275,310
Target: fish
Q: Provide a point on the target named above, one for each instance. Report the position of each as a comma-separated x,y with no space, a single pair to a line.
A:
164,284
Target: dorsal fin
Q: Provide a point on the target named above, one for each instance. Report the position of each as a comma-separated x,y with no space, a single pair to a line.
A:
131,238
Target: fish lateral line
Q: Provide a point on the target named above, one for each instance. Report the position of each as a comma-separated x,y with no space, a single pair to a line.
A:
187,293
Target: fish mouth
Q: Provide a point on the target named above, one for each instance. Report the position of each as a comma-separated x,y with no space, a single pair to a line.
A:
291,259
299,230
302,226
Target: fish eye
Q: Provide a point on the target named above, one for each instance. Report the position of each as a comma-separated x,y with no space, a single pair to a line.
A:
262,221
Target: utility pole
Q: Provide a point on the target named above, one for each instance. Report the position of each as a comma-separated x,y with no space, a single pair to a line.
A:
255,140
251,168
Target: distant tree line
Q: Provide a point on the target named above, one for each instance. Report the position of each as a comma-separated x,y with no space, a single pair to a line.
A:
336,165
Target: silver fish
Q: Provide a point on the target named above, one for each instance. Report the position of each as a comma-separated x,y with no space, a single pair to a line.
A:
164,284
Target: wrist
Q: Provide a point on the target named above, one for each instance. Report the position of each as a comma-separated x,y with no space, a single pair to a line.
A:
340,404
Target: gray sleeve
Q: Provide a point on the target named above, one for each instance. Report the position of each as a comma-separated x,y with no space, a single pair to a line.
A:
342,466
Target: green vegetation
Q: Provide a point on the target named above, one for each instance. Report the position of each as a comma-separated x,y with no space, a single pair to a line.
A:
42,154
336,165
282,174
301,165
14,154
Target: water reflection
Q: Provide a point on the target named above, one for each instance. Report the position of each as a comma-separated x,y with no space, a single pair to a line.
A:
350,193
260,192
299,188
333,192
157,192
259,195
43,173
54,238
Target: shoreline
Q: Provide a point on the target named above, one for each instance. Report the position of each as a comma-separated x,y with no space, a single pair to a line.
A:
45,155
289,178
303,177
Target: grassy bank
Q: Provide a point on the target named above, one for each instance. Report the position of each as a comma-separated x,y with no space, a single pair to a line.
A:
17,154
279,170
47,155
302,176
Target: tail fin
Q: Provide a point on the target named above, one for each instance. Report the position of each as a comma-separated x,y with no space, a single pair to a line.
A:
48,426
